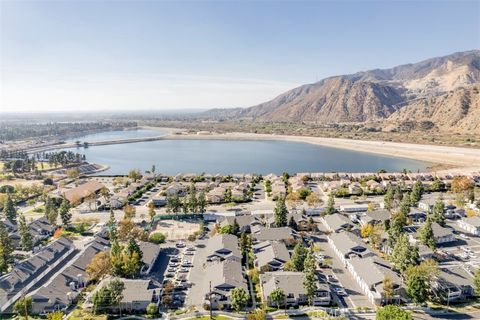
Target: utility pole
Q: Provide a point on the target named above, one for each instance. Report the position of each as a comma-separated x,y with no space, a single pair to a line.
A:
210,299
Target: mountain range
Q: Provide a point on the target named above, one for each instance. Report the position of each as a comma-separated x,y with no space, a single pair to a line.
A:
440,93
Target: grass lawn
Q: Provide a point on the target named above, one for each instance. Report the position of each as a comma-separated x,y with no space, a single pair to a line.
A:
82,315
208,318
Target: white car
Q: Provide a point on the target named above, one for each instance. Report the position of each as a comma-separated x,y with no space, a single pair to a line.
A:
464,236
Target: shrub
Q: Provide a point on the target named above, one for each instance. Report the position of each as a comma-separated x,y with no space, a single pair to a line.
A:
157,238
152,309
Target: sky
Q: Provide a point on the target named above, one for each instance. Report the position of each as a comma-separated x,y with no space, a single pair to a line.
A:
144,55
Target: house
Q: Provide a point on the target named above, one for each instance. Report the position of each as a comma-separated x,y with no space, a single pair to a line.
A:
270,255
176,189
300,220
27,273
453,284
285,234
216,195
150,253
442,235
470,225
224,276
291,283
347,245
375,217
370,273
223,246
159,201
137,294
336,222
65,287
428,201
78,194
245,222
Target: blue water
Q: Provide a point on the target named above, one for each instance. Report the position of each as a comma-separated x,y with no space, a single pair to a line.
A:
219,156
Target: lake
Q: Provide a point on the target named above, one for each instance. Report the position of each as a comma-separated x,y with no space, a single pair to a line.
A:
220,156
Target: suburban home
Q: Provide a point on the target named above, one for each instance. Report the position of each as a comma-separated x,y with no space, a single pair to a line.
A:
137,294
428,201
370,273
270,255
453,283
176,189
336,222
27,273
442,235
285,234
150,252
300,220
223,246
217,195
375,217
66,286
291,283
347,245
470,225
78,194
159,201
417,216
40,229
224,276
245,222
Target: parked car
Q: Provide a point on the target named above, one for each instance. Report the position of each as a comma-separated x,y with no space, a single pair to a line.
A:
180,245
331,278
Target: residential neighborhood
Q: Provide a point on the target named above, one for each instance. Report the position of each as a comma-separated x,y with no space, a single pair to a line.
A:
343,244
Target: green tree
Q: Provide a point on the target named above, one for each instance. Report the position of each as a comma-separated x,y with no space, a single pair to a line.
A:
239,298
330,209
108,297
235,227
174,204
389,197
416,194
292,224
405,204
9,210
476,281
192,198
112,227
299,255
278,297
64,212
437,212
404,255
57,315
151,211
228,195
6,249
202,202
426,235
392,312
51,212
23,307
280,213
26,239
152,309
309,281
419,279
157,238
399,220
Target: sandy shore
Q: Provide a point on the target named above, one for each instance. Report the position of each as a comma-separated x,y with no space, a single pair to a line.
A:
441,158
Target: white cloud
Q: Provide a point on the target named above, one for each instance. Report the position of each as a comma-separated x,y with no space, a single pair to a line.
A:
41,92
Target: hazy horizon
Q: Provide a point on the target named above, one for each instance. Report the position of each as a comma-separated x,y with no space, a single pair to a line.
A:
71,56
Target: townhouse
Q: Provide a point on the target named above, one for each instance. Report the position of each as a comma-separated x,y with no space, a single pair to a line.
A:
270,255
291,283
453,284
470,225
336,222
223,246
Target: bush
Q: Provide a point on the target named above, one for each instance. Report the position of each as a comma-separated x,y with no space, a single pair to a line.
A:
157,238
7,189
152,309
48,182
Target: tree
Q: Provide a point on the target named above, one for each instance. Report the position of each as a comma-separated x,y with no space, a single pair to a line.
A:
278,297
366,230
99,266
405,204
152,309
416,194
112,227
419,279
399,220
392,312
108,297
202,202
280,213
9,210
389,197
151,211
26,239
299,255
309,281
51,212
235,227
437,212
174,204
426,235
330,209
6,249
134,175
476,281
23,307
313,199
129,212
462,184
64,212
388,290
404,255
239,298
57,315
157,238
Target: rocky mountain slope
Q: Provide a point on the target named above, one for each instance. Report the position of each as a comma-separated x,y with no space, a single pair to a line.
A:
438,87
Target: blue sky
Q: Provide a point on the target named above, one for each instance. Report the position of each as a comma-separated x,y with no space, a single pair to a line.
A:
92,55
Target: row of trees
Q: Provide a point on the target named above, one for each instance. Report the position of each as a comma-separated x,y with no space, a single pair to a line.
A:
191,203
